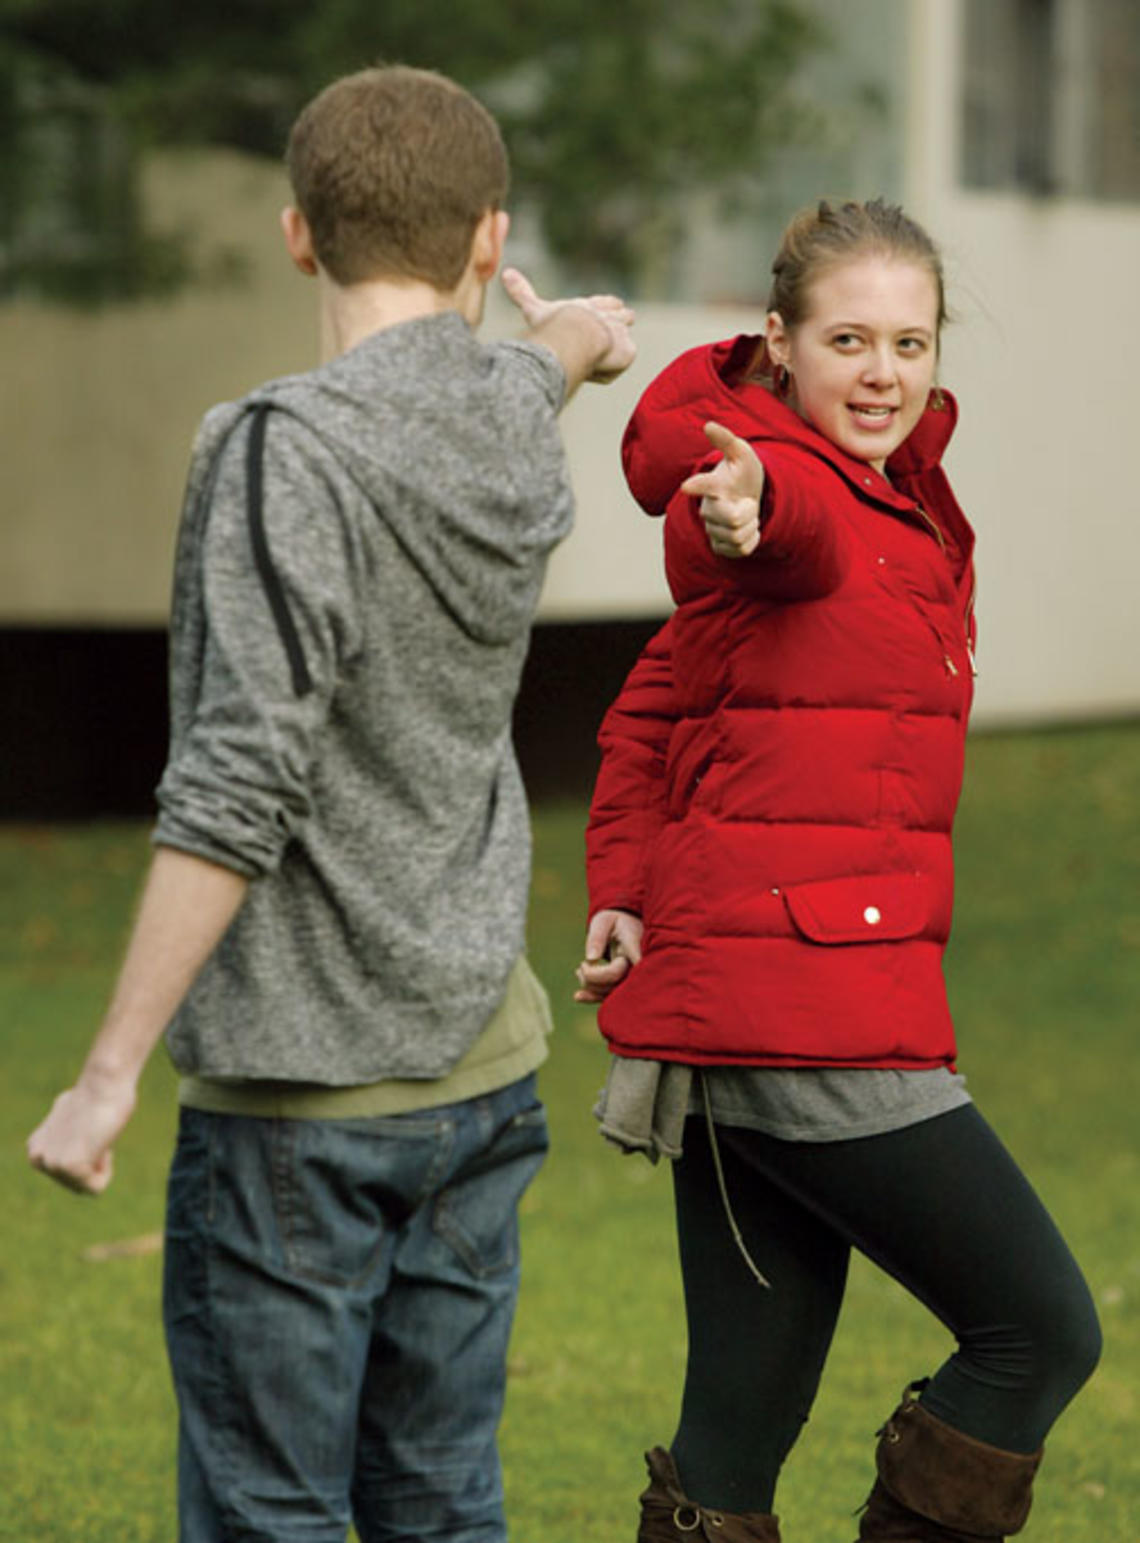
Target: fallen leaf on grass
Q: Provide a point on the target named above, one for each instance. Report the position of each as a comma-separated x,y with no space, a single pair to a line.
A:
547,883
126,1248
38,932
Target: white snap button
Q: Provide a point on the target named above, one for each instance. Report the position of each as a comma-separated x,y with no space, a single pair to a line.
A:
872,916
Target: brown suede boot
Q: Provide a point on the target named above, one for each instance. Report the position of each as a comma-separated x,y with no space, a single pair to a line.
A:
667,1516
936,1485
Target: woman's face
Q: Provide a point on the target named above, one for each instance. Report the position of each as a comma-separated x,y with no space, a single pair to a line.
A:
863,359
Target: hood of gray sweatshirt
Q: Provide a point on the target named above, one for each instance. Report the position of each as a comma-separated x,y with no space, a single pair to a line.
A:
413,489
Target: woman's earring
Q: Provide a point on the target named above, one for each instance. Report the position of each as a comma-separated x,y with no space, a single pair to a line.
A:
937,400
783,381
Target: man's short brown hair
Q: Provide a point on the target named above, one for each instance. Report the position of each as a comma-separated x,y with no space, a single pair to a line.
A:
393,168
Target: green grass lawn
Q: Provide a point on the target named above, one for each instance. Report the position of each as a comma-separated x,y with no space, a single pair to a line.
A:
1045,977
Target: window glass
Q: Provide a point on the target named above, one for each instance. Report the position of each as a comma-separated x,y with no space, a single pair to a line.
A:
1051,97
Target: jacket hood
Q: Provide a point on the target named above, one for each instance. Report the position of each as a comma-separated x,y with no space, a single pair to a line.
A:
461,461
664,441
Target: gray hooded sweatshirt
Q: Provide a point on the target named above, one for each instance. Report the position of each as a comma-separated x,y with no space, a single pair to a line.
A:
413,489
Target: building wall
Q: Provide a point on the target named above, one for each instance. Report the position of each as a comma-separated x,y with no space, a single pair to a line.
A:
1040,353
1042,356
97,411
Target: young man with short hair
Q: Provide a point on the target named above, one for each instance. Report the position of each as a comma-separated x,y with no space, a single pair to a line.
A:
333,922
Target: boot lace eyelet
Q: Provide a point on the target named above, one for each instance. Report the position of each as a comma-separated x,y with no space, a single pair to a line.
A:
686,1518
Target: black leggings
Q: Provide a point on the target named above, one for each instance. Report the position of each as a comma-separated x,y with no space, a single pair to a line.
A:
943,1208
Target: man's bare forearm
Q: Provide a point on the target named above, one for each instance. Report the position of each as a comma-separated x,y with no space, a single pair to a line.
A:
187,905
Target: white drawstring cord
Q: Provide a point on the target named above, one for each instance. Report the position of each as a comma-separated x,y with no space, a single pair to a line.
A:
740,1243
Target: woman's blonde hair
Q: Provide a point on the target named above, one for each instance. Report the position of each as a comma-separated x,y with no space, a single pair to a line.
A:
826,235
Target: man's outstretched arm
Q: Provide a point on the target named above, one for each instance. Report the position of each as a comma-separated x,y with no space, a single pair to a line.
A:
187,904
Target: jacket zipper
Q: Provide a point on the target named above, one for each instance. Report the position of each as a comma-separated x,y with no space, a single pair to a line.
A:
947,661
934,528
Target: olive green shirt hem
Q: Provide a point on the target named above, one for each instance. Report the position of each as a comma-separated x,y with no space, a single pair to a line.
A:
513,1044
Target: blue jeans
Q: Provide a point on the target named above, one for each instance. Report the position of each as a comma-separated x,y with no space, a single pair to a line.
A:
338,1298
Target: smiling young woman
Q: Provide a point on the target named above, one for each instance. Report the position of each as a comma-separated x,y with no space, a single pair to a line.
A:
771,879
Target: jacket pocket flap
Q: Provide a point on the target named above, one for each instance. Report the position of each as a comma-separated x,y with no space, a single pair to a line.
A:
870,908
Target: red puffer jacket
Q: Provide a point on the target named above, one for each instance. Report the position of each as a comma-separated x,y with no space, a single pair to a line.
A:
781,770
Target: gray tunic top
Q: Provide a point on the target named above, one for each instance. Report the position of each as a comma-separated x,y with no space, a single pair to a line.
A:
643,1106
